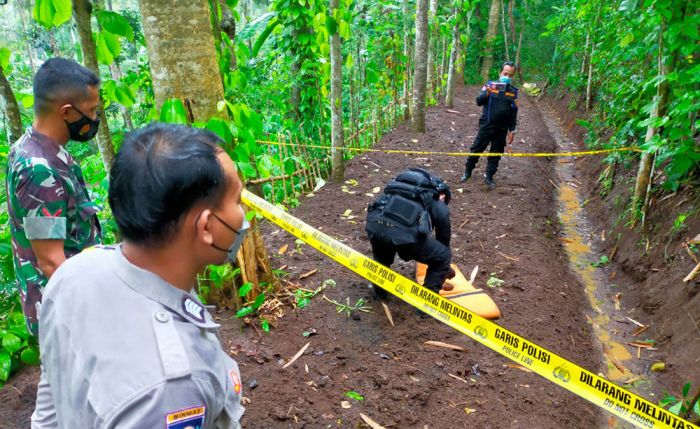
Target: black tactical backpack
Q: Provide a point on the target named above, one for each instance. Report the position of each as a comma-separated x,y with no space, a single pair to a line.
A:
401,215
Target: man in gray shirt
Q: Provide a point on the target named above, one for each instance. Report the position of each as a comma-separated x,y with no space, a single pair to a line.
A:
125,342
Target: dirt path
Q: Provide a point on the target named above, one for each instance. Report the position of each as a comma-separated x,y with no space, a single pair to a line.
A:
511,232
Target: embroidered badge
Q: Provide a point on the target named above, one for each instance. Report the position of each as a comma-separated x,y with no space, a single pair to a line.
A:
189,418
236,381
193,308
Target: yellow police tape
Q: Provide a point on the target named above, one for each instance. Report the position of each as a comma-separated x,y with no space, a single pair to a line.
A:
554,368
422,152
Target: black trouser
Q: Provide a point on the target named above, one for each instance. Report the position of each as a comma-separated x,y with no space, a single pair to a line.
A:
488,134
431,252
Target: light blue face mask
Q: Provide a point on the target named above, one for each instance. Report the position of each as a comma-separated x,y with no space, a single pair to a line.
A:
232,251
504,79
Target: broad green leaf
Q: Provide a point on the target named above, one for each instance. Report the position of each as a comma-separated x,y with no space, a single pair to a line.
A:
125,95
245,289
108,47
349,62
626,40
5,59
259,301
247,170
51,13
11,342
30,356
5,365
27,100
115,24
245,311
331,25
686,389
173,111
265,325
220,127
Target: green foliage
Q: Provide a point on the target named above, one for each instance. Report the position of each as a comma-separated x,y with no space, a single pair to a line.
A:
17,346
52,13
681,406
625,40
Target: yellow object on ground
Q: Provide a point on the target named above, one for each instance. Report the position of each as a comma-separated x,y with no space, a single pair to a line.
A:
464,293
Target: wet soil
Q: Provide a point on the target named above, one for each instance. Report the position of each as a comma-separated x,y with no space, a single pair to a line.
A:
512,233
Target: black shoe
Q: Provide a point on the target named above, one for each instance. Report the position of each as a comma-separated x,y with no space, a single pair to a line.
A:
490,182
467,175
379,293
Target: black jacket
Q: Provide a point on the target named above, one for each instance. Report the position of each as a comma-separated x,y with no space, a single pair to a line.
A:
440,218
500,107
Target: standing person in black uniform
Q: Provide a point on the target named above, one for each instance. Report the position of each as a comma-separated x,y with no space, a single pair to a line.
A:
402,220
497,123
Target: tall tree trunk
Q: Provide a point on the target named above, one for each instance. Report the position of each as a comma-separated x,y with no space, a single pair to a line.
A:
490,39
183,64
407,55
589,82
337,163
443,65
584,60
518,66
20,11
421,62
511,19
182,55
505,31
432,28
11,108
82,12
646,163
449,93
228,26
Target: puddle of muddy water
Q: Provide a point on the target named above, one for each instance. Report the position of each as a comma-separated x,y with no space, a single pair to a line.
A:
622,366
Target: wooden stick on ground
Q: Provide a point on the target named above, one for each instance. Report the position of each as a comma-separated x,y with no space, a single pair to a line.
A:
692,274
371,423
444,345
297,356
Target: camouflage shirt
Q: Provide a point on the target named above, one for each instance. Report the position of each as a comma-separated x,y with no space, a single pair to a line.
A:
47,199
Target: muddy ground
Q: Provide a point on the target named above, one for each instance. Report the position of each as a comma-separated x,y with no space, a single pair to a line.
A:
511,232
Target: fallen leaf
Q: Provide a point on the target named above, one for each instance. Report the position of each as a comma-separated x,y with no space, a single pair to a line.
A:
414,140
320,183
617,300
346,213
376,189
370,195
308,274
388,314
416,379
351,182
658,366
469,410
345,404
371,423
283,249
473,276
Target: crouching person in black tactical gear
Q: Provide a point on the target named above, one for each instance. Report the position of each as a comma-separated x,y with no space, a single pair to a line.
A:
402,220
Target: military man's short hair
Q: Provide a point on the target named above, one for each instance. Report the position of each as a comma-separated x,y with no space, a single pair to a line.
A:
160,173
61,80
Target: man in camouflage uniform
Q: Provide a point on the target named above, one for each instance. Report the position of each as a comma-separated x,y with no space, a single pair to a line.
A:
51,215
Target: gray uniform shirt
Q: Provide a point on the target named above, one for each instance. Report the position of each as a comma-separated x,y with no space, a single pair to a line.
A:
122,348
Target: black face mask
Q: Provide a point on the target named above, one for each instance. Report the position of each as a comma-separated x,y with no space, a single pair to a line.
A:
84,128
